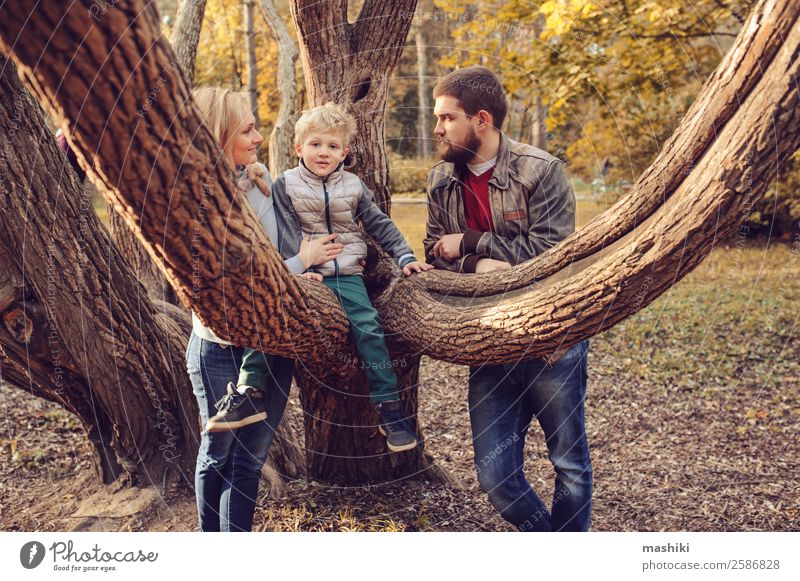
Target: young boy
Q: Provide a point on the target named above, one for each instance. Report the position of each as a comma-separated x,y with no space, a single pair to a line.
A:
327,200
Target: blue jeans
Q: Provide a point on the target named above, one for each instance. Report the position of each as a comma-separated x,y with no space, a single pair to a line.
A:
503,400
229,463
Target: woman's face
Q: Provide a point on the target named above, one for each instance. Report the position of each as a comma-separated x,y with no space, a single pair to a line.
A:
246,140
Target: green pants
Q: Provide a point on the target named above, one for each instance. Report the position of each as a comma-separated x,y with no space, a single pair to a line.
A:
366,332
260,370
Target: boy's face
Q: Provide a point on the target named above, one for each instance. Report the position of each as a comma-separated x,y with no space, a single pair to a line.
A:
322,152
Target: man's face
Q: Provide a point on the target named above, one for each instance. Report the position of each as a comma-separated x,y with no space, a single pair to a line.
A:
456,132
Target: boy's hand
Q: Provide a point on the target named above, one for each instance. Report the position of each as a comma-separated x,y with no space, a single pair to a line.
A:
315,276
320,250
416,266
490,265
448,247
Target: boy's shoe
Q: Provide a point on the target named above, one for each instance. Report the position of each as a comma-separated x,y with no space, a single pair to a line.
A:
393,425
236,410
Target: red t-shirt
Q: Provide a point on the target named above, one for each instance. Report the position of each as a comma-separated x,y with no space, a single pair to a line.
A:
477,208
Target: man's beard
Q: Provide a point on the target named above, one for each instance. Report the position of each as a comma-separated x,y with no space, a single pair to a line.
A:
461,153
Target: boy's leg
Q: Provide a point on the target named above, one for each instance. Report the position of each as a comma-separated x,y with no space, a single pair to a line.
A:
367,334
245,403
255,369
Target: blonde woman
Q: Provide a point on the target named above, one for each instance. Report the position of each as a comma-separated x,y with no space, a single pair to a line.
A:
229,460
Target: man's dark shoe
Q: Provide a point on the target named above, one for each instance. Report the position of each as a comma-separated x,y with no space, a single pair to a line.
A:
236,410
393,425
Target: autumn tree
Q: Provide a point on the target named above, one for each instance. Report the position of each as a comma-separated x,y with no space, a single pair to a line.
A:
699,188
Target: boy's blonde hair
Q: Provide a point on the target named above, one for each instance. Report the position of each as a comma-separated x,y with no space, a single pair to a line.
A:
325,118
223,111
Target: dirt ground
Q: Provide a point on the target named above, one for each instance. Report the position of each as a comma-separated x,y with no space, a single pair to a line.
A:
664,461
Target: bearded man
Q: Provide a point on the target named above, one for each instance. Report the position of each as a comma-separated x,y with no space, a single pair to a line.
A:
494,203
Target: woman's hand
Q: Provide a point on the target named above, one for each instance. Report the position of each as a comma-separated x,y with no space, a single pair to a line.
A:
320,250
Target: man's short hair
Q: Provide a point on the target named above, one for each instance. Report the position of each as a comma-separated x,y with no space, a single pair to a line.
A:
324,119
475,88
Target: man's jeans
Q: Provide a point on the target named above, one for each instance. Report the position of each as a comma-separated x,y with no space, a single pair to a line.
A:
503,400
229,463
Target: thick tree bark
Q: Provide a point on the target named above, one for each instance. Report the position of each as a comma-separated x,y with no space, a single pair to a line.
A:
184,40
186,35
710,173
143,265
351,64
78,327
286,457
151,156
33,358
281,140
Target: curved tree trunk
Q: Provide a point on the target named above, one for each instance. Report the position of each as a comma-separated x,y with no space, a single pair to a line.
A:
281,140
713,169
184,40
78,327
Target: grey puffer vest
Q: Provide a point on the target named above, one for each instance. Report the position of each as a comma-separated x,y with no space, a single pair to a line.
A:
326,206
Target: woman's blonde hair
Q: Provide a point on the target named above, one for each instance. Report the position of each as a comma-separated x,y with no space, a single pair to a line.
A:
223,111
325,118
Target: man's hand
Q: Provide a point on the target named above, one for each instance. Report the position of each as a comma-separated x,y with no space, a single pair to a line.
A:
315,276
448,247
416,266
490,265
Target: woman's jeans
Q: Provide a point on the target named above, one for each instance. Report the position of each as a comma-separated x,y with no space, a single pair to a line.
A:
503,400
229,463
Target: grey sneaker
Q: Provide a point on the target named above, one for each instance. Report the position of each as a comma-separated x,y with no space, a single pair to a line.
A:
393,425
236,410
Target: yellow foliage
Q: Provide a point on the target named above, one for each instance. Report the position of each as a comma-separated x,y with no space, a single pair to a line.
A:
221,57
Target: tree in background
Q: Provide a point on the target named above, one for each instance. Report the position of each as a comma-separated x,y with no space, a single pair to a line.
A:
222,56
281,139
